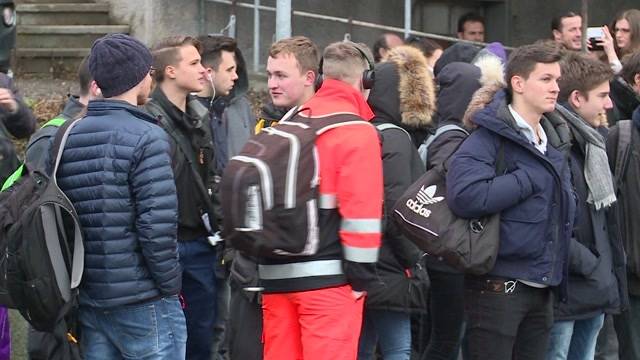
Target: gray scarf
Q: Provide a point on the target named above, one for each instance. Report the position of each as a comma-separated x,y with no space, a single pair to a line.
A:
596,165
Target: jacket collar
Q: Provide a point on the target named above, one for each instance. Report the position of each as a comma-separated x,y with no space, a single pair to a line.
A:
73,108
97,107
336,96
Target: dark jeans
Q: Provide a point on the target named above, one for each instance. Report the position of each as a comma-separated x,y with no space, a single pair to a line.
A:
198,261
627,327
220,348
245,326
446,308
505,322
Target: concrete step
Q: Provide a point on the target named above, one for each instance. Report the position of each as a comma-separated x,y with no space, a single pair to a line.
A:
63,14
54,36
54,61
19,2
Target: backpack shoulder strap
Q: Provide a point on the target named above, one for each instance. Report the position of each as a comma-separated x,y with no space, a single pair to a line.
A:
622,154
58,121
386,126
183,144
423,149
443,129
59,141
13,178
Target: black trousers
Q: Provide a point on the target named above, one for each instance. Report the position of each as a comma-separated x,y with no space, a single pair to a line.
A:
245,326
507,319
446,310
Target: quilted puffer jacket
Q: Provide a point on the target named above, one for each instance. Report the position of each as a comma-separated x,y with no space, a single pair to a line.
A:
116,170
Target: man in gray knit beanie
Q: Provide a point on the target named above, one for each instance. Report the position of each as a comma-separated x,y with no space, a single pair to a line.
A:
116,170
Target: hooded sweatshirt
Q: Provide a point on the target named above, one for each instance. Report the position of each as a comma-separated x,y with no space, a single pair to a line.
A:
232,119
403,95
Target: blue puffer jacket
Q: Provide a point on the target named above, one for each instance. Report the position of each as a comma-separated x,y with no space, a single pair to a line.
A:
116,170
534,197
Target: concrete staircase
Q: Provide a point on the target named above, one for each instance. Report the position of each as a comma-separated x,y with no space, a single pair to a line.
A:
53,36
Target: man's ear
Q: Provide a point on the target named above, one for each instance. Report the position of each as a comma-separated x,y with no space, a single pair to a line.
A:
557,35
517,84
636,82
94,89
170,72
310,78
575,99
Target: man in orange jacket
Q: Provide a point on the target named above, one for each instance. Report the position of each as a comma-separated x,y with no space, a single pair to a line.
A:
312,305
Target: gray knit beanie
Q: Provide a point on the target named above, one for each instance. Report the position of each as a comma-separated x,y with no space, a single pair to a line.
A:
118,62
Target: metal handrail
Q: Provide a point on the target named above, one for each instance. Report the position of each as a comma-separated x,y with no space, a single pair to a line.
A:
352,22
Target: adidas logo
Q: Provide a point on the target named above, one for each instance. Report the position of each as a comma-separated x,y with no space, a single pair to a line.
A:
424,197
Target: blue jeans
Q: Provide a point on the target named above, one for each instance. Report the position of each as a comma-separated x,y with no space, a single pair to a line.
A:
154,330
198,260
391,330
574,340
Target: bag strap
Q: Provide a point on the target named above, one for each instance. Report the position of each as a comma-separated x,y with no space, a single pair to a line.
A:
387,126
423,149
183,144
623,150
443,129
77,263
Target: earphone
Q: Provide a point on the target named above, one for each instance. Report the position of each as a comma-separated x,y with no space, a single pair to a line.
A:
368,76
213,88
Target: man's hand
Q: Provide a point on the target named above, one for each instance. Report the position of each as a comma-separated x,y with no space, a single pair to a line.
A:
8,101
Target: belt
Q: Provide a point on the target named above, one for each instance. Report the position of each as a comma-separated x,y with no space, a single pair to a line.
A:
493,285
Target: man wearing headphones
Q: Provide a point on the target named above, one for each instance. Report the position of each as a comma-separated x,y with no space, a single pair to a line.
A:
312,305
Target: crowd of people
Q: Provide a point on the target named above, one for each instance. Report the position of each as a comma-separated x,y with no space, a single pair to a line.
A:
546,139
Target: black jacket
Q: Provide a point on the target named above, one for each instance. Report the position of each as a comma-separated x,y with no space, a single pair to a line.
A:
628,205
194,126
625,100
457,82
20,125
595,257
402,285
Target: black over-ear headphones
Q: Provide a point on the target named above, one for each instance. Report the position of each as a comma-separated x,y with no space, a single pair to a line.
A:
368,76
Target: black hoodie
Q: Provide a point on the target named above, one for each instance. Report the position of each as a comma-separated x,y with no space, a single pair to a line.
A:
403,95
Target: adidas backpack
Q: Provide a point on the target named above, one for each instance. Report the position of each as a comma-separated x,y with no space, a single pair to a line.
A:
41,245
269,191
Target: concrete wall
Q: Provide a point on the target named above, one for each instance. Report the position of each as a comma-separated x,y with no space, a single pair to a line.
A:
151,20
513,22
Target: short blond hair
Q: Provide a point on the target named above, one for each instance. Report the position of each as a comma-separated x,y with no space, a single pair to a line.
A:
344,61
301,48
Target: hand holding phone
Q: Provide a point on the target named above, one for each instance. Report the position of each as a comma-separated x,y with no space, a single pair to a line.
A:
595,36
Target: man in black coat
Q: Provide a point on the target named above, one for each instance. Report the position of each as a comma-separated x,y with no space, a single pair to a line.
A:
17,120
596,260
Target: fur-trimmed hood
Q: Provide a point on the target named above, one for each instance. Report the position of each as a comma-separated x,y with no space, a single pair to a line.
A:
404,89
459,81
479,101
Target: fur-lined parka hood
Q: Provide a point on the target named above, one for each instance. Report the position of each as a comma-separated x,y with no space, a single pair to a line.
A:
404,89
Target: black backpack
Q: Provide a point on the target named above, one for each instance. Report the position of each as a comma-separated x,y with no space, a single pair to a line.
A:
422,214
41,245
270,190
